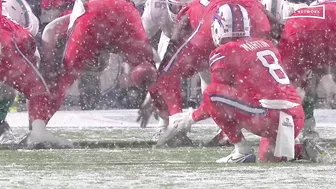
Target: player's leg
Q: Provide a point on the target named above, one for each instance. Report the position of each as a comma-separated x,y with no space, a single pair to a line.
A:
306,49
320,53
52,34
220,138
19,67
167,92
7,96
292,49
218,103
267,147
268,143
309,103
18,71
193,91
317,56
80,50
233,112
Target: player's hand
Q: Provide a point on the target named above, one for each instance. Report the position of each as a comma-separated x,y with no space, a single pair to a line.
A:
178,123
146,110
182,121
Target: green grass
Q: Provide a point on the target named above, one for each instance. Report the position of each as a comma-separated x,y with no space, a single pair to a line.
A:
187,167
124,158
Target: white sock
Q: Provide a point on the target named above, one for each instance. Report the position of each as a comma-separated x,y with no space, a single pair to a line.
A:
38,125
243,147
163,123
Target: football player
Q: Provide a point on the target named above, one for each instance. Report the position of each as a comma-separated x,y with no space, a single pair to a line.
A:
307,50
20,12
159,15
234,99
189,48
19,71
94,27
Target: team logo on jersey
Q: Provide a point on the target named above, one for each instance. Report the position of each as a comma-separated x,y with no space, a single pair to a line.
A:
317,11
287,123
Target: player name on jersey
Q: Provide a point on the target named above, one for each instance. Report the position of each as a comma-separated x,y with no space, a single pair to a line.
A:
253,45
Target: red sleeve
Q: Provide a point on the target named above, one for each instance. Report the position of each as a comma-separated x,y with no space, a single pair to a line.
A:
220,68
217,59
200,113
183,11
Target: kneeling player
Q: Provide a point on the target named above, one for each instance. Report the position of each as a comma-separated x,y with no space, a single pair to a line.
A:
249,89
189,49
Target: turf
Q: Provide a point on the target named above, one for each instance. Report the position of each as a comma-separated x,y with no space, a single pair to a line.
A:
124,158
147,168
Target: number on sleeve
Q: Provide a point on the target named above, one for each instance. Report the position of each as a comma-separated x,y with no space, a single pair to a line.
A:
273,67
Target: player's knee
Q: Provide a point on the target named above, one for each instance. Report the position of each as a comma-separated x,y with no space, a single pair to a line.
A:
209,91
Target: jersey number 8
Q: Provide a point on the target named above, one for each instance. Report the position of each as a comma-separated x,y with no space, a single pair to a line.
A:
273,67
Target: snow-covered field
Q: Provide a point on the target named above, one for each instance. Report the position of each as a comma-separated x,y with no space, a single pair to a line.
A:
137,166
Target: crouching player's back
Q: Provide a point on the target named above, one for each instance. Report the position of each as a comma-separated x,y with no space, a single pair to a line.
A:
249,89
253,66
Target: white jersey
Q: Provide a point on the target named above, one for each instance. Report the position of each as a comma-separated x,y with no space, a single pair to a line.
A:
156,17
282,9
20,11
274,6
138,2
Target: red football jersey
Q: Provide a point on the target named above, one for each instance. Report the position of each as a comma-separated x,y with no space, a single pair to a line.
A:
201,14
307,41
199,9
320,17
252,65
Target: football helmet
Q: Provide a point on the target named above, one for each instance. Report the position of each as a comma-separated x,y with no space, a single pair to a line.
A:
174,7
230,21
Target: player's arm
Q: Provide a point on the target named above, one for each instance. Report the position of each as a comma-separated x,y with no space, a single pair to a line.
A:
276,25
180,32
150,25
220,68
33,22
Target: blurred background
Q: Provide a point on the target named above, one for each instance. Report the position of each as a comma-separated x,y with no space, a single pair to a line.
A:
104,88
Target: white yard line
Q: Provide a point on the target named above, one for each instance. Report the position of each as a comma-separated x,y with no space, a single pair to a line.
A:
125,119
